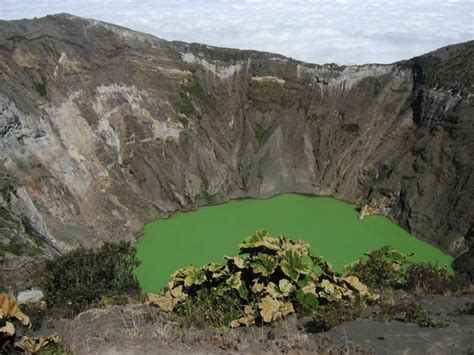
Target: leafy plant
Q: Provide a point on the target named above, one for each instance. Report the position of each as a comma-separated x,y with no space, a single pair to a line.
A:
293,265
33,345
271,277
10,312
84,277
264,264
10,309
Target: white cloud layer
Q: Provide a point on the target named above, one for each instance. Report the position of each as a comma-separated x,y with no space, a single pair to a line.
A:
340,31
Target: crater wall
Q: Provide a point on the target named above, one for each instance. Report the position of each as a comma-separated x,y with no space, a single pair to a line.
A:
103,129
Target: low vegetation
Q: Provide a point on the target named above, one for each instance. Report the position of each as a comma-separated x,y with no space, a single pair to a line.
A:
271,278
450,71
431,279
410,313
71,283
194,101
381,268
83,278
388,268
268,95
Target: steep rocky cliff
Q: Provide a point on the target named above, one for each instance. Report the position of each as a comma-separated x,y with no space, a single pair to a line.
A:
103,129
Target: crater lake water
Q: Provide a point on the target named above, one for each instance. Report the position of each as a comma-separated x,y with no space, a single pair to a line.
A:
332,227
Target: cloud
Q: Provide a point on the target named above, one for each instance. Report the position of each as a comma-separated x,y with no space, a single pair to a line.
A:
340,31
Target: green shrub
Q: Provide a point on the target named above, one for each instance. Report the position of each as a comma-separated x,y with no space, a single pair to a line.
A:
84,277
215,307
382,268
432,279
388,268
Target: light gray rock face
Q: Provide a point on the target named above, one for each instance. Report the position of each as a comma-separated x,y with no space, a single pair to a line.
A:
103,129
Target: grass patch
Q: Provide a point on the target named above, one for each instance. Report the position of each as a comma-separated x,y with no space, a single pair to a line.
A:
215,307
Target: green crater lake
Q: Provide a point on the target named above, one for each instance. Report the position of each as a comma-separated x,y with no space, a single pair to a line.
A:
332,227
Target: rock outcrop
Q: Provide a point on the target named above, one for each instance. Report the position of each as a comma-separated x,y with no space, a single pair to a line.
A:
103,129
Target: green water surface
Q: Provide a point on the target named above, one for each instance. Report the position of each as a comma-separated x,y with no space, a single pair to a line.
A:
332,227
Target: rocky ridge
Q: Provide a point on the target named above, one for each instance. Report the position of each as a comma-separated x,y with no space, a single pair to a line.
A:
103,129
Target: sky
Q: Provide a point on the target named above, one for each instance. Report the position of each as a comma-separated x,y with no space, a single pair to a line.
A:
317,31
